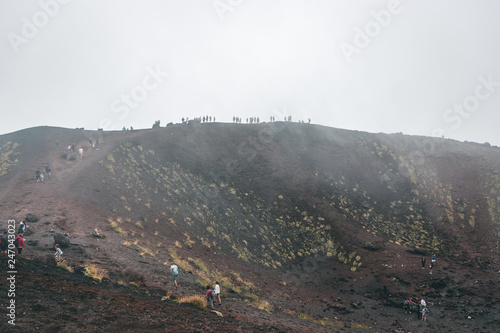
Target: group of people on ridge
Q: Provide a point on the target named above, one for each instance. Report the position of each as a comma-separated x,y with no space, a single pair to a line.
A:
212,295
40,176
431,265
420,306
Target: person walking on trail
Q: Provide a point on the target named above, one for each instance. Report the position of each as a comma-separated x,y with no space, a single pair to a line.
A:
19,243
425,311
433,259
210,297
37,175
4,242
407,306
59,253
423,262
80,151
217,292
22,227
175,272
420,307
47,171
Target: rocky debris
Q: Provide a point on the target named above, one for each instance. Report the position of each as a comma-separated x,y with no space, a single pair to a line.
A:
369,246
68,154
384,292
356,305
97,233
403,281
31,218
217,313
339,308
440,283
62,240
417,251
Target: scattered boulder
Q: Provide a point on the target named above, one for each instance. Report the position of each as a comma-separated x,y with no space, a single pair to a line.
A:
356,305
217,313
31,218
97,233
62,240
369,246
339,308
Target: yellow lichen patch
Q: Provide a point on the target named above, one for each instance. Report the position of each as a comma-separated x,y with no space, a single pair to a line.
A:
8,156
472,221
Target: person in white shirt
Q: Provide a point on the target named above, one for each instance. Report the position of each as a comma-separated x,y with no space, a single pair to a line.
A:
217,292
58,254
175,272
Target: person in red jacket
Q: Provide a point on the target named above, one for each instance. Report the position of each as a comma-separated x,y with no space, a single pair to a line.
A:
210,297
19,242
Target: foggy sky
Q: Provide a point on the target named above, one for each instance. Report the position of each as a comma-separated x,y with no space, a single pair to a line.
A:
427,68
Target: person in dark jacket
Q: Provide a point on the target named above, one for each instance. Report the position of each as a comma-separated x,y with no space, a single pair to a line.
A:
420,307
210,297
47,171
423,262
22,228
4,242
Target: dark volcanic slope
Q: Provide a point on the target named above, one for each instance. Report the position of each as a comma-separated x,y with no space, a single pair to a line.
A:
280,213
